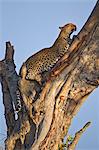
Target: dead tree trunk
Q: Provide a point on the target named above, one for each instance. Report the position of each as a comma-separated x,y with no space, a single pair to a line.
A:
71,81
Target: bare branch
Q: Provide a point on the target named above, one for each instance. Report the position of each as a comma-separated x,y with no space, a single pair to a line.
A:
17,129
75,141
9,112
9,52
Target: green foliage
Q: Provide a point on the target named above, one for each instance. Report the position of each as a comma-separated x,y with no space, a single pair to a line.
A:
63,146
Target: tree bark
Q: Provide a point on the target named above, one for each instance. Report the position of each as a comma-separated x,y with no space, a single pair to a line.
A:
71,81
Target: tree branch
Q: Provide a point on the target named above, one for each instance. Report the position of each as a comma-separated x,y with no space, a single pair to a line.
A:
17,128
80,77
75,141
9,112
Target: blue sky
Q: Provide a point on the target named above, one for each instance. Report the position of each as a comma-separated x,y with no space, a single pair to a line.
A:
32,25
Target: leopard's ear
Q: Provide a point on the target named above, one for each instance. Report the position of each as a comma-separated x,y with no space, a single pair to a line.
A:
60,28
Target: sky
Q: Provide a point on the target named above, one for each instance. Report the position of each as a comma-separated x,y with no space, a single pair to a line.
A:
31,25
